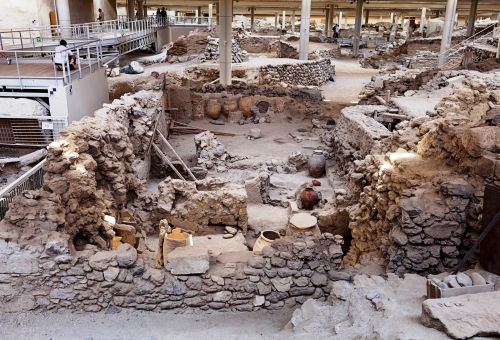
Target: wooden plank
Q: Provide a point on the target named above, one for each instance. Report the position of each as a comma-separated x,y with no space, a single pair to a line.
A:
165,158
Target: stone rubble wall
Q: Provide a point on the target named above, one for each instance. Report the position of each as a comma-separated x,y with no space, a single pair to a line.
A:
357,135
422,209
89,171
195,206
311,73
50,278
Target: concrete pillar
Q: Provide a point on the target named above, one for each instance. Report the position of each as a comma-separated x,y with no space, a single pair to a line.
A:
252,19
472,18
140,9
367,16
327,21
423,20
292,21
225,41
451,8
131,9
276,20
283,23
357,27
63,13
392,17
305,18
331,17
210,14
217,11
340,20
199,14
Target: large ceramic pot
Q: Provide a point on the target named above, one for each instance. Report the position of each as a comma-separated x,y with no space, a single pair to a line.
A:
246,106
265,239
316,164
213,109
309,197
230,105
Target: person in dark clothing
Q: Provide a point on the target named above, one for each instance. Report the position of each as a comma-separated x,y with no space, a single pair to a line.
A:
336,30
163,12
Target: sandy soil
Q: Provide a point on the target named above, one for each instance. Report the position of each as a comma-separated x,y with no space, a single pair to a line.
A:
136,325
349,81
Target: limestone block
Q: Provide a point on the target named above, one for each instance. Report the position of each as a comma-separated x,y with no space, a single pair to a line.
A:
188,260
464,316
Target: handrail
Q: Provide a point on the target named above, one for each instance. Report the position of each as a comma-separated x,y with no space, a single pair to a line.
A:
22,178
33,179
463,41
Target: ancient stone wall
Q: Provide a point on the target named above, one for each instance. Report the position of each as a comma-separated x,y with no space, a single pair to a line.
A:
89,172
52,278
312,73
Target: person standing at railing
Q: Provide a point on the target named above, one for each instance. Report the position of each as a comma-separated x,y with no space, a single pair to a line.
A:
63,56
158,15
100,16
163,16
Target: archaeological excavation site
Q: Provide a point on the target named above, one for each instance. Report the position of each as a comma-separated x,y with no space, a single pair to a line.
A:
250,170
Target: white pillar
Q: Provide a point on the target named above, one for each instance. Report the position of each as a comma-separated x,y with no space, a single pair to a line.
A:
392,17
305,17
472,18
225,41
210,14
451,8
283,23
456,20
357,27
423,20
340,20
292,21
276,20
63,14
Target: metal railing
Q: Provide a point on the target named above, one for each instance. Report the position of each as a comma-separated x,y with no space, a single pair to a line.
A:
114,30
460,47
88,57
31,180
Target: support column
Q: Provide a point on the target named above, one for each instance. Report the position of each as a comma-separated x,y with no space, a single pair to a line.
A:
292,21
332,17
225,41
357,27
327,20
252,19
392,17
140,9
131,9
498,51
451,8
305,18
472,18
423,20
217,11
210,14
283,23
63,13
367,16
276,21
199,15
340,20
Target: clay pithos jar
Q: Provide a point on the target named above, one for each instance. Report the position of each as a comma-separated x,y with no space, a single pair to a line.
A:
213,109
246,106
316,164
308,197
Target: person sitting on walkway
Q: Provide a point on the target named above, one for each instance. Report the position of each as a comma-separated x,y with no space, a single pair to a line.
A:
63,56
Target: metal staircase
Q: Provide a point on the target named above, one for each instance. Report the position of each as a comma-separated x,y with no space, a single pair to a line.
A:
456,53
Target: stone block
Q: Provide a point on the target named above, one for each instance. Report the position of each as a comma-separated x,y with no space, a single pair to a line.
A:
465,316
188,260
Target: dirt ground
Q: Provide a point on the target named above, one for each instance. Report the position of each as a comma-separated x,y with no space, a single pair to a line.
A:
136,325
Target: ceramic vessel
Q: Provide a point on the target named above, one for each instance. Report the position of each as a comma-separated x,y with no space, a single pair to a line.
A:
265,239
308,197
213,109
301,223
316,164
